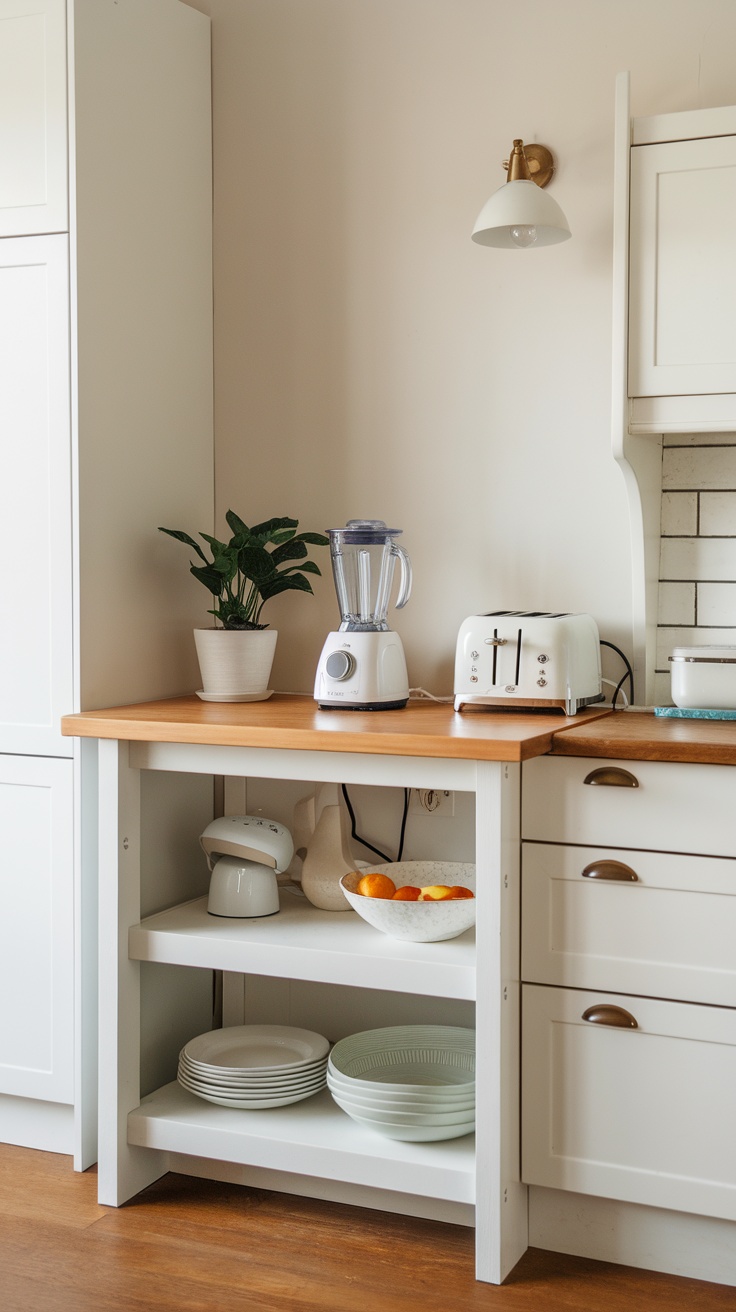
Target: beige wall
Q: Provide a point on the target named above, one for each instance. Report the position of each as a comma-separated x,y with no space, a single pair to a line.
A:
370,359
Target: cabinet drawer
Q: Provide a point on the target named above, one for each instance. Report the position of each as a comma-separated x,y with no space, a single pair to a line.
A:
670,932
672,807
644,1115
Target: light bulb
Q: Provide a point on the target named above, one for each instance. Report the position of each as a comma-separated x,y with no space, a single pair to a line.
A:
524,234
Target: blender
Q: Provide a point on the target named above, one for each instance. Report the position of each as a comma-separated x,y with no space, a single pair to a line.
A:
362,666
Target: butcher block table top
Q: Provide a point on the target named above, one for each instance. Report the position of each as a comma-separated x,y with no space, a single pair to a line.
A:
643,736
429,729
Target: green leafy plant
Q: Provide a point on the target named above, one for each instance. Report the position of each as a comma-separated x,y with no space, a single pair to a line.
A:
255,565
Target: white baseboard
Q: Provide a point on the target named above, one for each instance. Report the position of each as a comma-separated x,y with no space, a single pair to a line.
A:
30,1123
651,1238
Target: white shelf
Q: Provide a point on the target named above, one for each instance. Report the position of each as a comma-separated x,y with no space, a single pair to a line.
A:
313,1137
302,942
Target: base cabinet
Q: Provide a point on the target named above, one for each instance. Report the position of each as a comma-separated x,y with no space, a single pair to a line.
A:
641,1112
629,987
36,931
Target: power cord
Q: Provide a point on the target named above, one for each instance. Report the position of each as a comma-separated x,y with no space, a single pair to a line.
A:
417,694
629,674
354,832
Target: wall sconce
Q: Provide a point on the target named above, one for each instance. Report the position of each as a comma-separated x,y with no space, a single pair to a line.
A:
519,214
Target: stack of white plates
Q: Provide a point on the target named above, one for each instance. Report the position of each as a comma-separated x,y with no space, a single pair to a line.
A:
413,1082
254,1066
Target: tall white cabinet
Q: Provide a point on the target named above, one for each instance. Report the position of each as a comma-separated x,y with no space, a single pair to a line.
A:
105,433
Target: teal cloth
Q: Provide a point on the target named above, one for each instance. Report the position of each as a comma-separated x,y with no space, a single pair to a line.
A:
677,713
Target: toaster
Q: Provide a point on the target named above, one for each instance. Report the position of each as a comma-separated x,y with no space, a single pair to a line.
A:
528,658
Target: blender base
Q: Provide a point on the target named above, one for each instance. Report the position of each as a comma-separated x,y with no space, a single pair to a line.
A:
362,671
363,706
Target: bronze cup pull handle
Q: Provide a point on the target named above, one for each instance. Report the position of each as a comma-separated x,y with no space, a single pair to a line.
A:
612,870
604,1013
612,776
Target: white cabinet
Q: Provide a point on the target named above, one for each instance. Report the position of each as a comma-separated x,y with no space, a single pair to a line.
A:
682,331
640,1112
36,657
33,134
105,433
629,995
36,929
675,194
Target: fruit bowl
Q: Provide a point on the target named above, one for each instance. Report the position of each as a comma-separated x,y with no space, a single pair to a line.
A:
416,922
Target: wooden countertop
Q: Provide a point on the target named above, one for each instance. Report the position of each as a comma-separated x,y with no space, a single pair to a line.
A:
427,729
643,736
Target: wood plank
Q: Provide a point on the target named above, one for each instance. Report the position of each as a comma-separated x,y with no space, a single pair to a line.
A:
198,1245
643,736
296,722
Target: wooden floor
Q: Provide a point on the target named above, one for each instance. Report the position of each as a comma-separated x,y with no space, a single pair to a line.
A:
190,1245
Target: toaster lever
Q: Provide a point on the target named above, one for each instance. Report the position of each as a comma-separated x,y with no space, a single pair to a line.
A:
495,642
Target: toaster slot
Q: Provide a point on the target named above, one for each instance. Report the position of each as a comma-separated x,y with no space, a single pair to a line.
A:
518,659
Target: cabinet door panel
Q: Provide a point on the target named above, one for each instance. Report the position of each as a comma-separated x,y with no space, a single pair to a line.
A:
644,1115
33,131
36,681
682,332
36,929
670,933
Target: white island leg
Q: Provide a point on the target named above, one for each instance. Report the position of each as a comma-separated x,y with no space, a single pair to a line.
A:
501,1200
123,1170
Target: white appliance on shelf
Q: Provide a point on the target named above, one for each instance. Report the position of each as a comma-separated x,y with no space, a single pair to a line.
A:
528,659
362,666
244,854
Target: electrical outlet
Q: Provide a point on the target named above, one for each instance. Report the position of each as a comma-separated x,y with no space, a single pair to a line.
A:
432,801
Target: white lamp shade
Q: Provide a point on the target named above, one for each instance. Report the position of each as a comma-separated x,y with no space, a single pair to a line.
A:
520,205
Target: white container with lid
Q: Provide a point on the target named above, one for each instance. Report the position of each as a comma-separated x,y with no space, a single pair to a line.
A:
704,678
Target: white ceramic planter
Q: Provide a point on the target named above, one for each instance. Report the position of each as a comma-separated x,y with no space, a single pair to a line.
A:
235,664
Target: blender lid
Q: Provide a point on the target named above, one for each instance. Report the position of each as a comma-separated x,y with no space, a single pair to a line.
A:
365,531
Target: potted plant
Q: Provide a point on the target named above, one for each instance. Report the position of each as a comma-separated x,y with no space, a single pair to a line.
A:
235,657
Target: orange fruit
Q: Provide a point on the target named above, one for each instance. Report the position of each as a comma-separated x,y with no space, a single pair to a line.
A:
407,894
459,890
376,886
435,893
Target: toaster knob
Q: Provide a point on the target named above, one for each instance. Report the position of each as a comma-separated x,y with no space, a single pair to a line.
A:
340,665
542,659
541,681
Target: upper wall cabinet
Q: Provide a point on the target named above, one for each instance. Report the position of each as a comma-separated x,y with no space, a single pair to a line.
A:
33,164
682,272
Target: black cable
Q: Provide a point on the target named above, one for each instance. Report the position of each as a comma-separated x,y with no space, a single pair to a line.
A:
354,832
628,675
407,792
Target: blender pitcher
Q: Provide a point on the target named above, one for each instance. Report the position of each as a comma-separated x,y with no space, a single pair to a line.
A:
364,556
362,666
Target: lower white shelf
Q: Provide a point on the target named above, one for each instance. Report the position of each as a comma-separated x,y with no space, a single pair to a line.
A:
313,1138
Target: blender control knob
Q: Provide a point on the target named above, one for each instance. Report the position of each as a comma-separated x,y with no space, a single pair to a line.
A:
340,664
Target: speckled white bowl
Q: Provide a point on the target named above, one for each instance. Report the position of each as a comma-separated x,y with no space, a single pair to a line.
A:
417,922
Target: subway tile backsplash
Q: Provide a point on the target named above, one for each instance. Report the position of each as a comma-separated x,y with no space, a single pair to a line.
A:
697,590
